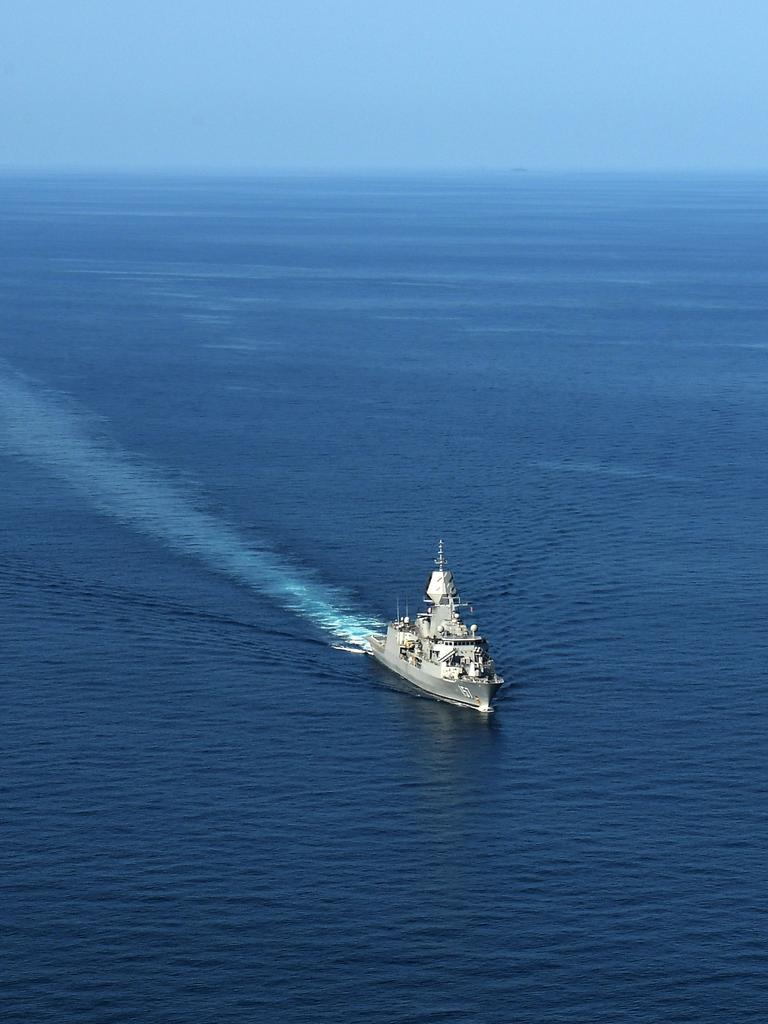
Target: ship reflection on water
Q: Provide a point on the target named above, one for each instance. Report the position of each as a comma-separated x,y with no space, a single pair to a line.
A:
446,730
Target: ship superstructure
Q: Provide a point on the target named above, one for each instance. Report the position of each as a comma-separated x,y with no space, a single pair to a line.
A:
437,652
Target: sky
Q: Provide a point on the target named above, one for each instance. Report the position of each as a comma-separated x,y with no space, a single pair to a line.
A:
358,85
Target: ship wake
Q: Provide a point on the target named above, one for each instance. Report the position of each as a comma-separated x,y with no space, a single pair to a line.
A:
44,429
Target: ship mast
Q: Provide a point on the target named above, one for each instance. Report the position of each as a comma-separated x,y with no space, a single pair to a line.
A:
440,560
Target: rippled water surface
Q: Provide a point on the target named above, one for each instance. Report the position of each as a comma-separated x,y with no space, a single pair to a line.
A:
235,416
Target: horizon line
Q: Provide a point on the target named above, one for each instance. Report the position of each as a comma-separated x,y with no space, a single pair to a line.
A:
362,171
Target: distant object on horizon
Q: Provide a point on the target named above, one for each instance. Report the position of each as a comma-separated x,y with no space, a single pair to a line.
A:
438,653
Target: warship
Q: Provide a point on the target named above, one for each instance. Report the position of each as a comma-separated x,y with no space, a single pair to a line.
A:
437,652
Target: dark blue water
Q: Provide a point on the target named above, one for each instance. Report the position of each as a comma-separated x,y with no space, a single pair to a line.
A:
235,416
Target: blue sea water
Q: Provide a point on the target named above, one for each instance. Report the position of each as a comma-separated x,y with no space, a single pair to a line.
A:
235,417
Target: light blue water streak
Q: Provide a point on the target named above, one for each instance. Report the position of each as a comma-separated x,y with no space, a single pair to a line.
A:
42,428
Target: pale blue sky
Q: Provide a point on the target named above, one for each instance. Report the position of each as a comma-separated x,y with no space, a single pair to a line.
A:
325,85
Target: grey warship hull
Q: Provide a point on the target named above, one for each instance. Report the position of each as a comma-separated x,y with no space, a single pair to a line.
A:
470,693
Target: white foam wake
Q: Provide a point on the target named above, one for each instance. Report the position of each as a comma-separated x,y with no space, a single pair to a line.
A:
44,429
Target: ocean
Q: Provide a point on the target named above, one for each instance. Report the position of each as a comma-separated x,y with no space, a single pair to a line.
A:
236,416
